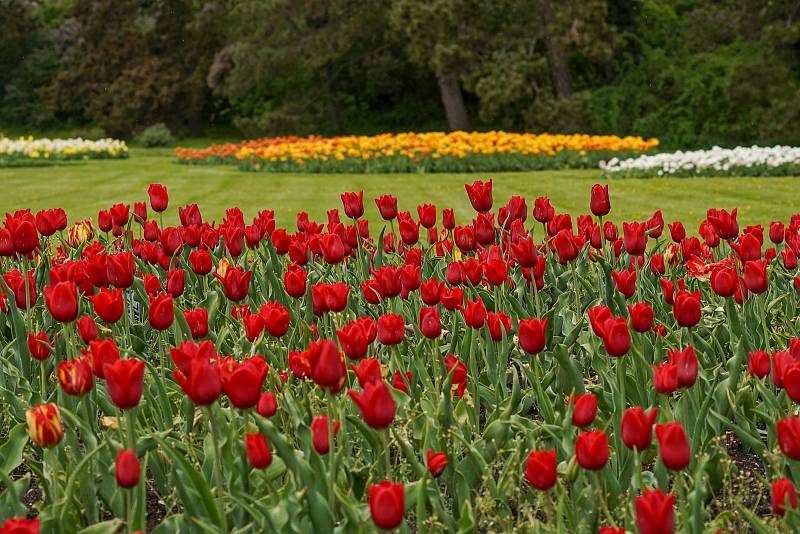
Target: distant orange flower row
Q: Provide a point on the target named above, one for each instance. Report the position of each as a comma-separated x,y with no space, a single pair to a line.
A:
414,146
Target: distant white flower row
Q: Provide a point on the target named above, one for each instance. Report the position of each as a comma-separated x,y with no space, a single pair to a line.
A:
739,161
28,148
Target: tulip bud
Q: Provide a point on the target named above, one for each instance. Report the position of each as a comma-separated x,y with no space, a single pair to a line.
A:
44,425
259,454
540,469
128,469
437,463
386,504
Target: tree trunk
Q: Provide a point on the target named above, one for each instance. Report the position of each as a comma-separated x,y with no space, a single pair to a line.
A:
453,102
559,70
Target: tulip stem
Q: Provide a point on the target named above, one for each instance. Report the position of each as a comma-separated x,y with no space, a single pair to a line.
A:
129,509
43,380
764,323
217,468
575,288
331,454
601,496
387,458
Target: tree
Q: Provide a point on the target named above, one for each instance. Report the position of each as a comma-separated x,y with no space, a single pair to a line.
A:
439,36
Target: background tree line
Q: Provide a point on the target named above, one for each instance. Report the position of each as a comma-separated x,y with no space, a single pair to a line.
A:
692,72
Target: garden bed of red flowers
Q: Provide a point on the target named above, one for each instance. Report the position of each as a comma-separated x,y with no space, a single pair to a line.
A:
520,371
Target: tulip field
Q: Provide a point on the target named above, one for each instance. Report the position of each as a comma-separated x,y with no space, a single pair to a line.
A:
514,369
457,151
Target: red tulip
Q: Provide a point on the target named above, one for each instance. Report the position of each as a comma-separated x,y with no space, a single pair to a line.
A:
159,199
625,282
427,215
599,202
591,449
161,312
75,376
724,223
128,469
677,231
368,370
259,454
686,362
197,319
637,427
329,297
125,380
391,329
120,269
673,446
436,462
235,283
62,301
199,380
540,469
39,345
101,353
532,334
16,282
480,195
376,404
654,512
87,328
499,324
353,204
634,238
789,436
641,315
759,363
267,404
23,235
567,246
429,323
320,437
724,281
242,382
200,261
108,304
20,525
459,370
386,504
585,410
616,336
543,211
597,318
387,205
326,365
175,282
665,378
783,493
755,276
686,308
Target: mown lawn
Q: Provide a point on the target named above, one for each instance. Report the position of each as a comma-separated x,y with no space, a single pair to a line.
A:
84,188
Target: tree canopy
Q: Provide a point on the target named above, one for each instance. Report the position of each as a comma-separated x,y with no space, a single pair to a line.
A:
692,72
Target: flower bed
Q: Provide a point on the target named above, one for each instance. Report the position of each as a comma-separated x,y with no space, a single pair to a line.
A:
27,150
739,161
423,152
520,372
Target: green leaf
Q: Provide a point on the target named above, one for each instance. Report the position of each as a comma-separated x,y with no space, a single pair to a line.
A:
11,450
106,527
200,484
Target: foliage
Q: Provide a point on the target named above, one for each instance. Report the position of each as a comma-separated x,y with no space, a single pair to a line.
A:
690,72
155,135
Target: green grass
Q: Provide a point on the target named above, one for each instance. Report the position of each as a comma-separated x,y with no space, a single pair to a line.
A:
84,188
